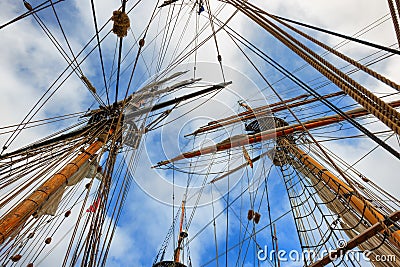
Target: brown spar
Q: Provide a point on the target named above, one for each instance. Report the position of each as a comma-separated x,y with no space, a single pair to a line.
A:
260,108
261,111
270,134
15,218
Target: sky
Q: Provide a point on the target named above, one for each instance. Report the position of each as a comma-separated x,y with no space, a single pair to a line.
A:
30,64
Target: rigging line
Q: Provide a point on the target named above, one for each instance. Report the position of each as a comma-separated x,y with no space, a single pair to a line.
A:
194,108
173,207
199,195
359,175
358,92
387,49
100,53
168,22
126,56
63,33
112,72
273,238
76,67
182,35
369,152
354,70
102,191
361,32
126,189
107,203
345,137
97,32
61,117
141,44
141,54
394,19
310,90
119,58
63,53
227,213
245,239
215,228
40,124
333,164
222,212
172,31
18,130
219,58
183,57
342,56
81,213
53,40
196,40
308,210
30,12
343,43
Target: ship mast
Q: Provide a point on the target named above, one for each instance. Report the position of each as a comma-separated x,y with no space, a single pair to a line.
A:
14,219
182,234
340,195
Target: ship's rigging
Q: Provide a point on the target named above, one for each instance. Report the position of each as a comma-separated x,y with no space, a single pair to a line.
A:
64,194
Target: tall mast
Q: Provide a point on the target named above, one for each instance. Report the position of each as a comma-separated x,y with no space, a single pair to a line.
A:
182,234
343,190
15,218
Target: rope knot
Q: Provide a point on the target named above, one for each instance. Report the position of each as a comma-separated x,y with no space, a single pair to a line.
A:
121,23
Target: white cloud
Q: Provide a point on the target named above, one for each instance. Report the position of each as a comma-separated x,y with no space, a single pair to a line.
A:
29,64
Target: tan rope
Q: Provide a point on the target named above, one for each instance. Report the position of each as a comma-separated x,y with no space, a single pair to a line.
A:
121,23
342,56
367,103
394,19
88,84
368,100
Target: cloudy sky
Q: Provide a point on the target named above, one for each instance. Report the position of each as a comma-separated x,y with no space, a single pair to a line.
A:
30,64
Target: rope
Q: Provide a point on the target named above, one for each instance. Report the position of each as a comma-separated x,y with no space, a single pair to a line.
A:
394,19
121,23
373,104
342,56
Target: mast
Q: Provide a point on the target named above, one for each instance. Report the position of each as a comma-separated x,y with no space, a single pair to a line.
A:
309,167
363,206
182,234
15,218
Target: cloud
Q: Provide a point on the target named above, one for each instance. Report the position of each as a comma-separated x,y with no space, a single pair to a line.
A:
29,64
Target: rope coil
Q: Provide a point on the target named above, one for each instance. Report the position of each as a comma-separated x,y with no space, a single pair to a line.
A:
121,23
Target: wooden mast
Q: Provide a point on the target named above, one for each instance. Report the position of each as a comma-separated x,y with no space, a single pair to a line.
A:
15,218
181,235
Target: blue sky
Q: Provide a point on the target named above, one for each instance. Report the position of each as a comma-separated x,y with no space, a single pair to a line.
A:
29,64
